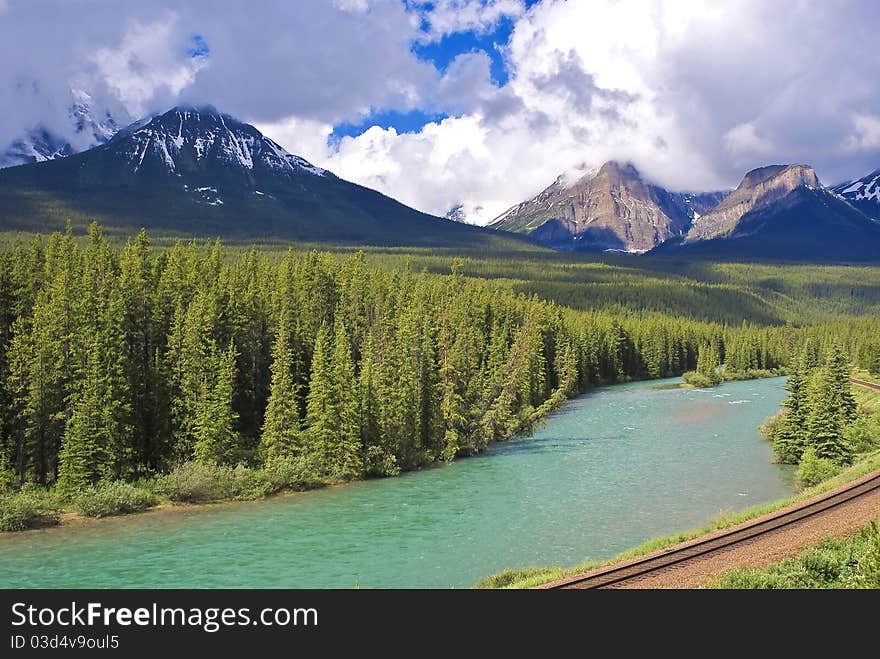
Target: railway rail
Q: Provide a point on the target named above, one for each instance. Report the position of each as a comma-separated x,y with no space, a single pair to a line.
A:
866,384
636,569
633,570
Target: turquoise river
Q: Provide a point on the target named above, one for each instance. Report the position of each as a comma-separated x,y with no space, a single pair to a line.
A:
609,470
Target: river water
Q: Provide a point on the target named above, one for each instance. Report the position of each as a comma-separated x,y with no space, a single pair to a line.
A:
609,470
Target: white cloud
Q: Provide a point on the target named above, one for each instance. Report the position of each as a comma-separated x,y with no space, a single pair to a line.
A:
744,139
693,93
147,62
445,17
866,134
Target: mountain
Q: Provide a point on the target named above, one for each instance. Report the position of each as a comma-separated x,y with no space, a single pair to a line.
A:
611,208
782,212
85,127
759,188
196,171
863,193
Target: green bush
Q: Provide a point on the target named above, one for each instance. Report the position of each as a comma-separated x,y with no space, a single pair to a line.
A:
244,483
768,428
27,508
867,572
292,474
115,498
863,435
191,482
699,380
196,482
812,469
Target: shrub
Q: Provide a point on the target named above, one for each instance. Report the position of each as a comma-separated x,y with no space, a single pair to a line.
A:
813,469
192,482
867,573
243,483
196,482
768,428
698,380
26,508
115,498
290,473
863,435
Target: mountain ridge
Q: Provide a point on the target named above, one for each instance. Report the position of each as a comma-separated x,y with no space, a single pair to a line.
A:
608,208
197,171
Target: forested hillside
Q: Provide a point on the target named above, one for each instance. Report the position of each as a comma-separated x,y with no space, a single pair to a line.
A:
118,363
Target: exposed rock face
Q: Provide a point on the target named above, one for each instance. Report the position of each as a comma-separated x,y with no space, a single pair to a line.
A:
612,208
863,193
759,189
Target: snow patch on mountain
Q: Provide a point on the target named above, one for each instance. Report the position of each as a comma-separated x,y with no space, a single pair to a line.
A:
189,137
86,126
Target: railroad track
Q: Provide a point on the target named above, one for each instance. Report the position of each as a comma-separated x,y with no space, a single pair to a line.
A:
641,567
866,384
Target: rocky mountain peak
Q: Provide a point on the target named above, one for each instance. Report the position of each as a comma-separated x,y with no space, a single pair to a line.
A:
188,140
612,208
758,189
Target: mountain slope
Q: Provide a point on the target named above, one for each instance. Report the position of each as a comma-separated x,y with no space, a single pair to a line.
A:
759,188
807,224
199,172
611,208
863,193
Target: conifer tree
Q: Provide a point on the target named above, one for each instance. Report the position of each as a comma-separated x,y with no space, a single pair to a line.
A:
346,450
825,420
839,368
322,415
215,440
282,429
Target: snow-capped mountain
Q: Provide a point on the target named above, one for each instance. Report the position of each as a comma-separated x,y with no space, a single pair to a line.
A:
84,127
863,193
193,143
197,171
609,208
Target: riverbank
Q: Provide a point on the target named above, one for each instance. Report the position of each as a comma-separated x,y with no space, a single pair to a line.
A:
199,484
531,577
610,468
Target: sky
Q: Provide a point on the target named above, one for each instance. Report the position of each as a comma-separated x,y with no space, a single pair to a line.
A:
478,103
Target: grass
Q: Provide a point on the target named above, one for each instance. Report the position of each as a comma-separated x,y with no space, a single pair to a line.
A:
534,576
867,399
850,563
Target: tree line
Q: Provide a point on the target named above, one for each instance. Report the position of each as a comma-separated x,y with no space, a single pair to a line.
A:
117,363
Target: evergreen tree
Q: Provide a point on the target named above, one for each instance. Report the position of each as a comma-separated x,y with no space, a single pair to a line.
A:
346,450
839,368
790,436
282,430
214,435
322,415
825,421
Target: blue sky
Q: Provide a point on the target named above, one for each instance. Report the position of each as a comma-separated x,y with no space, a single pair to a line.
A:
440,53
